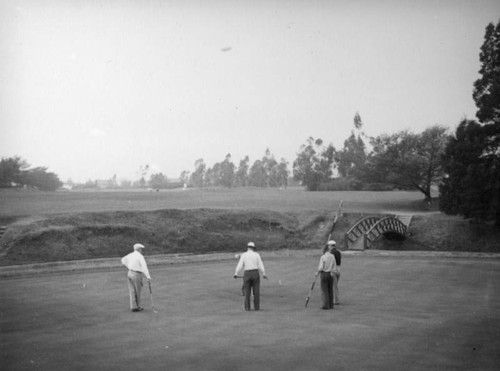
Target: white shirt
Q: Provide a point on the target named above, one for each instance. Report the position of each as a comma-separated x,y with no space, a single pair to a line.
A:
136,262
250,260
327,263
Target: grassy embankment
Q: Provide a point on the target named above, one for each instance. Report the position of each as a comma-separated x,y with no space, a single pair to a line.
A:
84,225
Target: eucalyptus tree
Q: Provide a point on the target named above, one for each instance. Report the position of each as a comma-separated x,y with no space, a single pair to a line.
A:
314,164
472,185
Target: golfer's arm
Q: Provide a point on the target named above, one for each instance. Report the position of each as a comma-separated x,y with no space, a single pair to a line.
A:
145,269
261,267
320,265
239,267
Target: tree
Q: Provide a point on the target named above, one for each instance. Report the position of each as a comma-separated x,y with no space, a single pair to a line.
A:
257,176
269,163
486,92
280,174
471,187
198,176
358,123
466,171
242,173
353,156
158,181
212,175
15,172
407,160
126,183
266,172
11,170
41,179
314,164
227,172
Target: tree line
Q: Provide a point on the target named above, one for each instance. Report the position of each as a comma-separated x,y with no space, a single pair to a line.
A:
465,165
16,172
264,172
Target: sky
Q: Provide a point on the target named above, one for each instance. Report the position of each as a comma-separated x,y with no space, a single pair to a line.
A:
93,89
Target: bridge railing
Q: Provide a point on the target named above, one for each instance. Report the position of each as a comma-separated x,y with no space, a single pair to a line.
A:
384,225
359,229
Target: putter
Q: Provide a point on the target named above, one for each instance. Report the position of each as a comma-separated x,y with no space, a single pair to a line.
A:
151,294
310,291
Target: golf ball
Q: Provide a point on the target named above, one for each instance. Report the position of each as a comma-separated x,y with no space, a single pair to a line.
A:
237,256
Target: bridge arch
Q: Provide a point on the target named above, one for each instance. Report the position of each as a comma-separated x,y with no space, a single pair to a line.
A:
367,230
359,229
389,224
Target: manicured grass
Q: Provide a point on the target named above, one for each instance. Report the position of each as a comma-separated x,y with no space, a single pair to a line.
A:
395,314
16,203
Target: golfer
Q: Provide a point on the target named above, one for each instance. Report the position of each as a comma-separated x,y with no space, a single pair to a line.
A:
326,269
251,263
336,276
137,267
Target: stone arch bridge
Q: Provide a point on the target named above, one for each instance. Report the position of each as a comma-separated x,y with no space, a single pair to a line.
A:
366,231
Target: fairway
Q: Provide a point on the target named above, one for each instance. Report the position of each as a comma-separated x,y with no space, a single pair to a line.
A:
395,313
14,204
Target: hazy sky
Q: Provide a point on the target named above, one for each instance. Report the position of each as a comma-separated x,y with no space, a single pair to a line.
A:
96,88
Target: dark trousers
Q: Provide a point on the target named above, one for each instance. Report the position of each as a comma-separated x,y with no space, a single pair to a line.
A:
326,290
251,281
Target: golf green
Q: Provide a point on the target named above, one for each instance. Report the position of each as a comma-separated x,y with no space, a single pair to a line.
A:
396,313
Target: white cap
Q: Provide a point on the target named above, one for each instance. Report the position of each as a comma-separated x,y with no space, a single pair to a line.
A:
331,242
138,246
250,244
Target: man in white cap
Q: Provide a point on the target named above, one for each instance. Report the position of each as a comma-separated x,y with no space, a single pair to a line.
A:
137,267
251,263
326,269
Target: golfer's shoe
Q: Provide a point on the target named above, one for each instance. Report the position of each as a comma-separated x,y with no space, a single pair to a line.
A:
135,310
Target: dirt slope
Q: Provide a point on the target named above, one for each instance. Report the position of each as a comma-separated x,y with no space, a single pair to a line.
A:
111,234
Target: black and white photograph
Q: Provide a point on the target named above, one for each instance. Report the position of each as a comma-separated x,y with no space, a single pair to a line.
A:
250,185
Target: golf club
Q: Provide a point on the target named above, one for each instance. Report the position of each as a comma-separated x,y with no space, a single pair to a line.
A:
310,291
151,294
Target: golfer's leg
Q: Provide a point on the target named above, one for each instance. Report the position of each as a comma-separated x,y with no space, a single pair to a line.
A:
335,289
248,286
324,292
131,292
256,292
139,289
330,291
136,283
338,280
